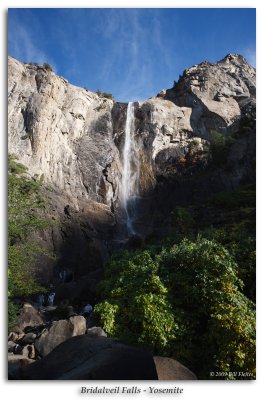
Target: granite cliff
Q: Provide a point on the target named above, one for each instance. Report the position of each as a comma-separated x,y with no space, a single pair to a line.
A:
73,140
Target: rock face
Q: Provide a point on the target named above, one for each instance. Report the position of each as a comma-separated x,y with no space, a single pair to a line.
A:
169,369
96,331
216,90
73,140
16,364
61,132
85,357
59,332
29,316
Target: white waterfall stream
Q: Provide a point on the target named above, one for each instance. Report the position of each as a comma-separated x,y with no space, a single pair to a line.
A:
131,168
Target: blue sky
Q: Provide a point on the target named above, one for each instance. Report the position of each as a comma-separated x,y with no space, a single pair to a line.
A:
131,53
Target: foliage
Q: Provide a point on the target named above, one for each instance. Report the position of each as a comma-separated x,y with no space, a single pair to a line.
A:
220,147
24,196
104,94
240,242
244,197
25,202
194,144
203,281
184,301
182,219
12,314
48,67
136,307
238,235
247,123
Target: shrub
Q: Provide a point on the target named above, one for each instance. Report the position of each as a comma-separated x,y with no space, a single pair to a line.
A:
136,307
182,219
220,147
204,284
12,315
104,94
48,67
240,242
243,197
185,301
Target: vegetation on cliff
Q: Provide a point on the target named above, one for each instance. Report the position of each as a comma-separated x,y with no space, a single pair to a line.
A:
25,198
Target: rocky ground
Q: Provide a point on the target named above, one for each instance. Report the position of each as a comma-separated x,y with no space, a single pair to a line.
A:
45,347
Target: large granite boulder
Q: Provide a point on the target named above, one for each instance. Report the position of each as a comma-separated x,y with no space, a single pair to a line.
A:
16,363
59,332
29,317
96,331
85,357
170,369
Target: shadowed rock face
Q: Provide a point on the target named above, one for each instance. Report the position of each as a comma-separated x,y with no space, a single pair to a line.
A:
29,317
85,357
74,140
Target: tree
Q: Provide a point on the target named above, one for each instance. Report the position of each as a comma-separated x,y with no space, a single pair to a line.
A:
136,306
48,67
184,301
25,202
105,95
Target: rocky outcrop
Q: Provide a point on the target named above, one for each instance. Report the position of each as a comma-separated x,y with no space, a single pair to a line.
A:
59,332
215,93
170,369
96,331
85,357
16,363
64,349
28,317
62,133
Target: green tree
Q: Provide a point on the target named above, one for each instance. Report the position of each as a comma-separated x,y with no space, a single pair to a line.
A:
48,67
204,284
220,147
184,301
182,220
104,94
25,203
136,307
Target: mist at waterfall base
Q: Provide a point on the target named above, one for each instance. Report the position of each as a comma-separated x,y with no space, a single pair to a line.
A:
131,171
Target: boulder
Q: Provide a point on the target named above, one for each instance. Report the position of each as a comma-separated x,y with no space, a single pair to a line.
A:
96,331
170,369
29,316
15,337
16,364
10,346
29,351
18,349
29,338
85,357
59,332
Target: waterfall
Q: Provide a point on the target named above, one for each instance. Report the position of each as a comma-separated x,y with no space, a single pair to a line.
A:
131,164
